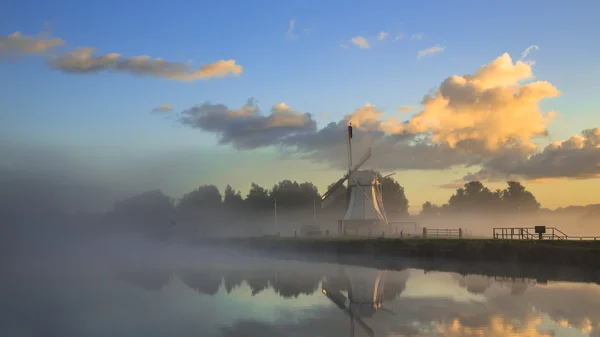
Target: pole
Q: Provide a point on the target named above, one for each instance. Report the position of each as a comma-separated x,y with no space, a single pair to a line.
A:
275,205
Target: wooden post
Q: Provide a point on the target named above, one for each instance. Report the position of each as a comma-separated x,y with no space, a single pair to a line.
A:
460,233
294,233
401,232
424,232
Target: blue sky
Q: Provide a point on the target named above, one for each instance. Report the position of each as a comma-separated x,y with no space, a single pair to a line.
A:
109,114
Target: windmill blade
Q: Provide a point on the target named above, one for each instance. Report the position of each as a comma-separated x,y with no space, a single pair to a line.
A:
326,199
362,160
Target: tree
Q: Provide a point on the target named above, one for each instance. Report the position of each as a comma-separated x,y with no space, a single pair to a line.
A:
293,195
429,209
145,205
394,199
474,196
232,198
204,197
516,198
258,198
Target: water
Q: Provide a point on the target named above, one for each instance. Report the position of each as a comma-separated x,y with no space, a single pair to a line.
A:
195,292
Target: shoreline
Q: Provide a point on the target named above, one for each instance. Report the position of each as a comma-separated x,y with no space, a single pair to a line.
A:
569,261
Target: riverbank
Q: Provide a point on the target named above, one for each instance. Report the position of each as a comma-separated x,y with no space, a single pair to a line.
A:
537,259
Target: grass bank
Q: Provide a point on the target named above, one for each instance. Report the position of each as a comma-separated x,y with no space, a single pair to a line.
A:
373,251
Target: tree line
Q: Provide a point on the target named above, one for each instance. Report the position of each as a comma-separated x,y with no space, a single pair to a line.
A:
293,195
475,197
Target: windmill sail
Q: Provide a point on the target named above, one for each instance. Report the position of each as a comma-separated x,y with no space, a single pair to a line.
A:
327,198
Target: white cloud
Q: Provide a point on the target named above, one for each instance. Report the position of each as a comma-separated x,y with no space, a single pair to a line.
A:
290,32
360,42
418,36
399,36
382,35
526,53
430,51
163,108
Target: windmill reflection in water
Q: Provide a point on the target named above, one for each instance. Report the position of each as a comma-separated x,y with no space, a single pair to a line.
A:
364,288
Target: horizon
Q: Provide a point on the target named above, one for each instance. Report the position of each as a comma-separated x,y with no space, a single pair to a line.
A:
265,99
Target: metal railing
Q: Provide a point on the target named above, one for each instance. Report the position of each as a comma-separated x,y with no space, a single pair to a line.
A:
529,233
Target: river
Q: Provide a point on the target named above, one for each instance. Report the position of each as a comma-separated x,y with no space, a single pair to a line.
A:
119,291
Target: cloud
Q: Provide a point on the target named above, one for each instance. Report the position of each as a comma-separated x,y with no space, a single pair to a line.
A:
83,60
247,128
17,44
290,32
418,36
407,108
490,120
528,50
399,36
430,51
577,157
360,42
382,35
163,108
526,53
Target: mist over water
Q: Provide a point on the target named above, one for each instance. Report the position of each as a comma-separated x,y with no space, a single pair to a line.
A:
128,285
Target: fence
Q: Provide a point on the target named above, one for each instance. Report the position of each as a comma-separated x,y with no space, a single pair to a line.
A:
443,232
538,232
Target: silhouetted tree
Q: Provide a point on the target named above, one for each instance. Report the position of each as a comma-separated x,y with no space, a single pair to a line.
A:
474,196
429,209
232,198
293,195
515,197
258,198
204,197
145,205
394,199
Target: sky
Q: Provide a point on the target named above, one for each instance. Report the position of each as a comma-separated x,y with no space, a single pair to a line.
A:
133,96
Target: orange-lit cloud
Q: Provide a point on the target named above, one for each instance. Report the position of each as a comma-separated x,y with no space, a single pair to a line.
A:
490,120
83,60
17,44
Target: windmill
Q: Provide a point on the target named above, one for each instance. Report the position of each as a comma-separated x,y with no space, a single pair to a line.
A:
365,204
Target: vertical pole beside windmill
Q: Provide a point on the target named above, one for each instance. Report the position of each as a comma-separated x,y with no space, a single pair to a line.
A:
349,143
275,206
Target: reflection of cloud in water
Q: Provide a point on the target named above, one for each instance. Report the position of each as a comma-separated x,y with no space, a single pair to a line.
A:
439,285
274,298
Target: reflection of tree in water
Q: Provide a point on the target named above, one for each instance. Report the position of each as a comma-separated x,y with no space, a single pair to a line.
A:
292,284
202,281
233,279
259,280
147,279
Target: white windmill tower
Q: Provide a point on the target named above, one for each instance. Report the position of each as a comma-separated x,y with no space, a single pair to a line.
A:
365,211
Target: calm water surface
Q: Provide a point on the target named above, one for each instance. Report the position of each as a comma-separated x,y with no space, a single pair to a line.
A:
208,293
